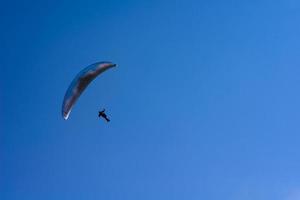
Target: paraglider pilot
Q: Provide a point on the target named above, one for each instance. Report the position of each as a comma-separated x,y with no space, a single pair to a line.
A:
102,114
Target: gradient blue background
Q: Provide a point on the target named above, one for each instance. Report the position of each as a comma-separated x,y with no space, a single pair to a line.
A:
204,104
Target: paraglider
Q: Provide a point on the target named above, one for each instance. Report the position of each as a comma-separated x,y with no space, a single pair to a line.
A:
80,82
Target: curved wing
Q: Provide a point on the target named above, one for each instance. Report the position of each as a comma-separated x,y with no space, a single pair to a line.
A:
80,82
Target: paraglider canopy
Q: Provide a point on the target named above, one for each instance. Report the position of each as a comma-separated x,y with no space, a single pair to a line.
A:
80,82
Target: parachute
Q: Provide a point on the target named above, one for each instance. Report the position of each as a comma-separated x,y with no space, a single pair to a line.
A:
80,82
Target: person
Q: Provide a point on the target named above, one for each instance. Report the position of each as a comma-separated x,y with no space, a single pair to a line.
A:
102,114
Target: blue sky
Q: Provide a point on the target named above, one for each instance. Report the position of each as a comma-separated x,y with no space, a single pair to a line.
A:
204,102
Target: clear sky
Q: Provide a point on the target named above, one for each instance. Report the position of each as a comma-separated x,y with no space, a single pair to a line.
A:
204,102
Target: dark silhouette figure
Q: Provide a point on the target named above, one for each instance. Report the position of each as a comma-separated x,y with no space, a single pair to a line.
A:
102,114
